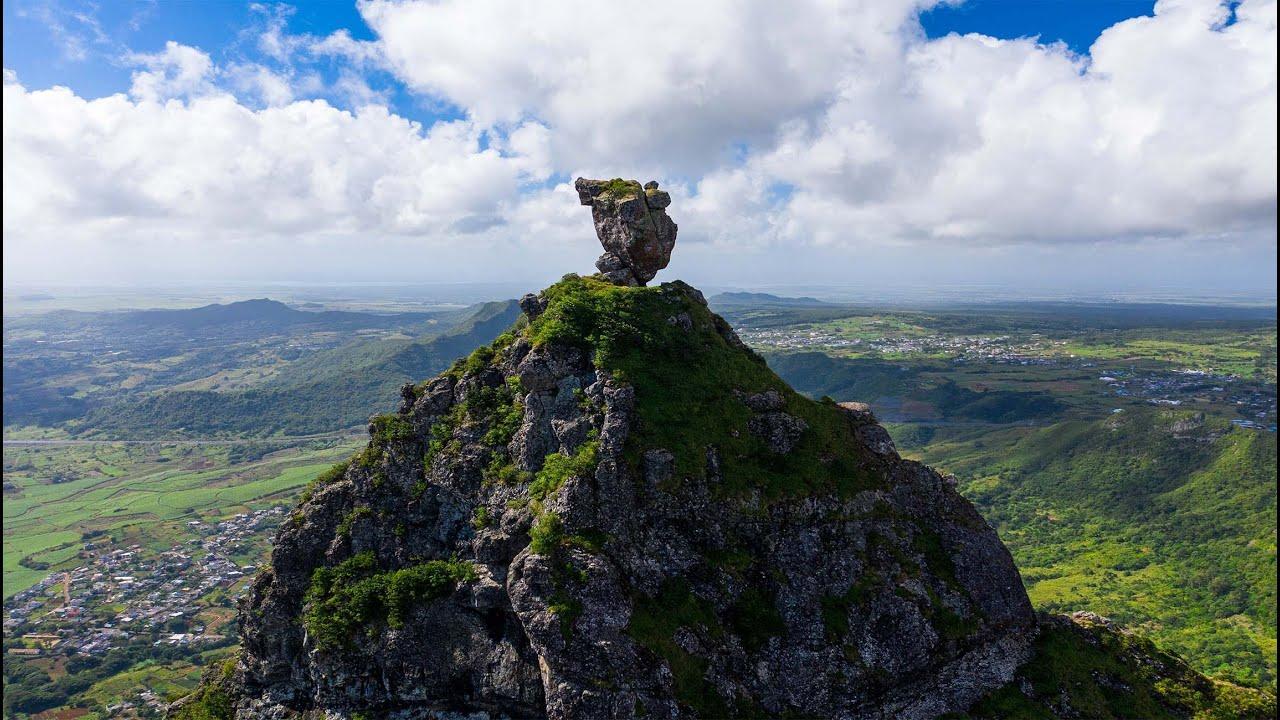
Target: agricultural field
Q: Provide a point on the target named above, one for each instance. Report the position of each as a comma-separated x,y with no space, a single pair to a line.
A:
1239,341
1027,364
55,495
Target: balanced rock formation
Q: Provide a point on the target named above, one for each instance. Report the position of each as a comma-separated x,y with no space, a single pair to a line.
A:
617,510
632,224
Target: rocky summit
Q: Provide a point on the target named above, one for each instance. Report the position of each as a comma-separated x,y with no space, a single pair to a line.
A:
633,226
617,510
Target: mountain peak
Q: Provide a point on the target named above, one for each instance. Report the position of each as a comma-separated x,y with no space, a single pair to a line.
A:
615,510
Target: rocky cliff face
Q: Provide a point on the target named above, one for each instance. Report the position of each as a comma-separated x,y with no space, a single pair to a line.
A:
617,510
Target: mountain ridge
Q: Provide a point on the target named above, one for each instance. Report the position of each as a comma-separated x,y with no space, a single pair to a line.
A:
331,390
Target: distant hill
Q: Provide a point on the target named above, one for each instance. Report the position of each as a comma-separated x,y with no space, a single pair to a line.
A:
762,299
231,318
58,366
324,392
885,385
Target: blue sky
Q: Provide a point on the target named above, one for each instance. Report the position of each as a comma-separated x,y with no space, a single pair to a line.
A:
81,44
1074,22
38,33
1084,143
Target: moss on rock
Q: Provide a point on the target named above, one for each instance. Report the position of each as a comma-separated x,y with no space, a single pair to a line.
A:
684,374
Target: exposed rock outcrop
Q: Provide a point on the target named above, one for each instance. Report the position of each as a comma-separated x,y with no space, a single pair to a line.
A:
632,224
608,514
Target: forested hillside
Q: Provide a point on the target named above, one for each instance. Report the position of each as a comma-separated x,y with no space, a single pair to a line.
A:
1163,520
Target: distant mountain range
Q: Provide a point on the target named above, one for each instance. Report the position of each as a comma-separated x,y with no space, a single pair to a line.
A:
762,299
257,366
327,391
252,315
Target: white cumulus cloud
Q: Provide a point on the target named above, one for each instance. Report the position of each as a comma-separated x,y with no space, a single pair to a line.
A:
817,126
175,72
873,132
209,174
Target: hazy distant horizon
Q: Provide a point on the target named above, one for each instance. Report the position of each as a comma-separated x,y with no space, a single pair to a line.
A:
405,296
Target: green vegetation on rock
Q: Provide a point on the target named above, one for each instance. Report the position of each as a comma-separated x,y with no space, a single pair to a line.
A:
557,469
328,476
390,428
835,608
344,527
654,622
636,334
353,595
546,533
754,618
620,188
210,701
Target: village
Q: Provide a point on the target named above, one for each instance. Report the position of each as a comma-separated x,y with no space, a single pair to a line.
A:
1256,407
117,595
960,347
1253,403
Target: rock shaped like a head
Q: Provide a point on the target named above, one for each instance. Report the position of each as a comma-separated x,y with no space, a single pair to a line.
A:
632,224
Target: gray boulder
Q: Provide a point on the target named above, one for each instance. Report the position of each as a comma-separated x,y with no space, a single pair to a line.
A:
632,224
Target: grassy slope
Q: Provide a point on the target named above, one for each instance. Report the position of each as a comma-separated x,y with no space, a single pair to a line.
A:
684,382
1170,528
931,383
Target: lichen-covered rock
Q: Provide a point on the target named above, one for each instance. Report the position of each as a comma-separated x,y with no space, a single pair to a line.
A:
607,514
778,429
633,226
